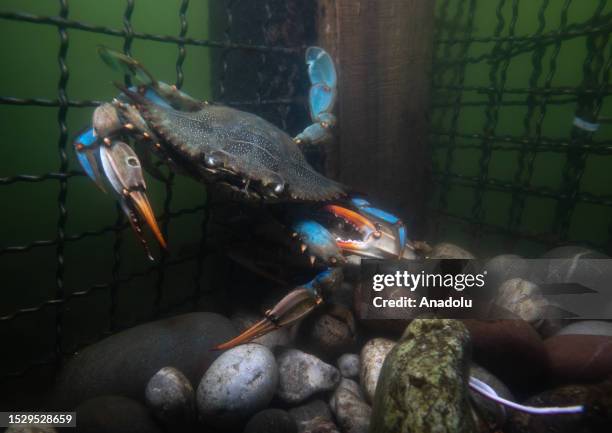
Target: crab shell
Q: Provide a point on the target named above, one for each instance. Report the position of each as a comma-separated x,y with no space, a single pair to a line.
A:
222,144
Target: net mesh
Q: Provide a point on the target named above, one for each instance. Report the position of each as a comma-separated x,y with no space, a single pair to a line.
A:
259,67
519,139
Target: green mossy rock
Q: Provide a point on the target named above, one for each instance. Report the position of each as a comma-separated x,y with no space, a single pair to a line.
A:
423,382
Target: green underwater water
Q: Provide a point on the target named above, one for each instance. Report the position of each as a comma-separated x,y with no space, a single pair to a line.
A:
29,137
565,68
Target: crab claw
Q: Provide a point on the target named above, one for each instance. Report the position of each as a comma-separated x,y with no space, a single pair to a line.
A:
124,173
125,64
318,242
363,225
86,146
294,306
385,217
381,234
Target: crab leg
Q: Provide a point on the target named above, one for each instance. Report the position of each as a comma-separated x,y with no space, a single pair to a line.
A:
106,158
294,306
321,97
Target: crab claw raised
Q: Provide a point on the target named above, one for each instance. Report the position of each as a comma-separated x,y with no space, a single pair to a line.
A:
124,173
295,305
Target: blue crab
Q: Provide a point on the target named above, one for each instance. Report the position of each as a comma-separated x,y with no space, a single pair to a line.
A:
231,149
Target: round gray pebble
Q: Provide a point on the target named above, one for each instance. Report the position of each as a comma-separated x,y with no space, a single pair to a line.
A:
305,414
302,375
171,398
239,383
348,364
352,413
373,356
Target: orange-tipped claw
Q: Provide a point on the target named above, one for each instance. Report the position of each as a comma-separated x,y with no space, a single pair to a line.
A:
142,205
290,309
363,224
123,171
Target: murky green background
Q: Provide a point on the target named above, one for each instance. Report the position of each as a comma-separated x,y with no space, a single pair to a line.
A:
29,137
590,222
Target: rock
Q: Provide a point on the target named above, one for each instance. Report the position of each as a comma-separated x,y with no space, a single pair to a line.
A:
302,375
597,418
491,411
504,267
510,349
349,366
423,382
271,421
573,252
449,251
380,320
524,299
113,413
588,327
340,294
28,428
573,264
579,358
352,413
314,417
123,363
321,425
239,383
329,332
373,355
171,398
305,415
243,319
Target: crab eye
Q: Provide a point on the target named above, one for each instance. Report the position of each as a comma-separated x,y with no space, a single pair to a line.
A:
210,161
132,161
278,188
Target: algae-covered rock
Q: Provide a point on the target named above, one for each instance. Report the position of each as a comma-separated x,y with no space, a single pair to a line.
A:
423,383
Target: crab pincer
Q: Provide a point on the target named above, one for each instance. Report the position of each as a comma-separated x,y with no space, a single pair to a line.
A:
115,163
124,173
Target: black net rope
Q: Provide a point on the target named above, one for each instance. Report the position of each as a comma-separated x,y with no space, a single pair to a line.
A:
454,55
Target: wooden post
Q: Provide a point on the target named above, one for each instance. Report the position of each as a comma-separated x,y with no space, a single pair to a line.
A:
382,49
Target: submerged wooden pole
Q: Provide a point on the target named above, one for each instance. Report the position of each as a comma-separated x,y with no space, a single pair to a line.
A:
383,54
